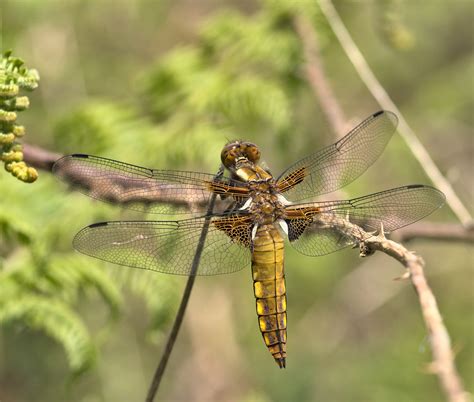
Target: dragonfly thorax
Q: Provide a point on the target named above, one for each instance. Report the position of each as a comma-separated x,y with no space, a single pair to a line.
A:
266,207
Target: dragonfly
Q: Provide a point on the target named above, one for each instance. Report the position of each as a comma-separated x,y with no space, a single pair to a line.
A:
253,213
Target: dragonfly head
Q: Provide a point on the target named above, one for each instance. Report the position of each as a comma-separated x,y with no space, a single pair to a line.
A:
238,154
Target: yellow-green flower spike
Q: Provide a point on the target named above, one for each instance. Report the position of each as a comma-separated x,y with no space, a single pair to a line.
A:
14,77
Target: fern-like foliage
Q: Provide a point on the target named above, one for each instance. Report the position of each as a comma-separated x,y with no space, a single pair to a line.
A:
243,77
57,320
43,281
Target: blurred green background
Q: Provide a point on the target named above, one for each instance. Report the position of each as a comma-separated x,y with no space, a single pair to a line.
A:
165,84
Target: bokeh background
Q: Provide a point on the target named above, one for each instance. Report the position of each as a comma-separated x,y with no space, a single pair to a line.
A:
165,84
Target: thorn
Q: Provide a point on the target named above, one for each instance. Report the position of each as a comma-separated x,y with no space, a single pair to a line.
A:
456,349
431,368
403,277
382,231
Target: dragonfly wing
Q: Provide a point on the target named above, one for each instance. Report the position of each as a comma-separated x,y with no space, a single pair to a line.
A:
313,228
170,246
339,164
142,189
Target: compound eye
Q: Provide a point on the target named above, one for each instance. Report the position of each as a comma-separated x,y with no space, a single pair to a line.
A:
228,157
253,153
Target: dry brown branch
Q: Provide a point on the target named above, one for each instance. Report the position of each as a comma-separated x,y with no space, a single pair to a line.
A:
443,359
379,93
316,76
448,232
39,158
154,194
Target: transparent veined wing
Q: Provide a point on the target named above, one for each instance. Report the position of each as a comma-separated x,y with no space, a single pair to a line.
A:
147,190
170,246
314,228
339,164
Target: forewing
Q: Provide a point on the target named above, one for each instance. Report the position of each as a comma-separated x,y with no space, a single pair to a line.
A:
170,246
315,228
147,190
339,164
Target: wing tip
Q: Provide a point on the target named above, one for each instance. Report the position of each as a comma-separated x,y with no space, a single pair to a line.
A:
64,160
78,240
390,115
378,113
98,224
440,194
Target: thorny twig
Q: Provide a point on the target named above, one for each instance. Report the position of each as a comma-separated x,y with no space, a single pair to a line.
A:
443,359
39,158
382,97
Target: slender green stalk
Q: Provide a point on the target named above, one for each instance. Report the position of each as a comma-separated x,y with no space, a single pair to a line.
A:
155,384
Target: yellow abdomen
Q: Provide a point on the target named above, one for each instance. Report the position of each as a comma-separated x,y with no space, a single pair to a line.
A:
269,288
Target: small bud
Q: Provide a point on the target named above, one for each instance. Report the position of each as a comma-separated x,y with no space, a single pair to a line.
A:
12,156
8,90
7,139
30,83
13,167
22,103
19,131
32,175
7,116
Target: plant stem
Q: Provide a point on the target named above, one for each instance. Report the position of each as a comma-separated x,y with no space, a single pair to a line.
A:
157,377
317,78
443,358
